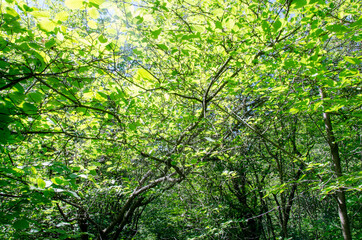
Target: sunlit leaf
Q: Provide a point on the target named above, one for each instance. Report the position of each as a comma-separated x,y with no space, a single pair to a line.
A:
92,24
299,3
97,2
74,4
143,73
41,183
93,13
156,33
61,16
47,25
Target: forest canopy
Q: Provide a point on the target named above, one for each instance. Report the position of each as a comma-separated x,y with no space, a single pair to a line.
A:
180,119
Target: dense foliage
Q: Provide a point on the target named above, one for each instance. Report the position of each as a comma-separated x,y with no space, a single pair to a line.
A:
180,119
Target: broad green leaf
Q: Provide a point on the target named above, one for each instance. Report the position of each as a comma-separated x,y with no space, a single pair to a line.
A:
163,47
299,3
230,23
277,25
73,175
357,24
321,2
334,108
102,39
50,43
145,74
92,167
218,24
352,60
36,97
74,4
72,193
57,180
93,13
47,25
294,110
92,24
317,105
156,33
133,126
11,12
40,14
29,108
21,224
4,133
266,26
97,2
337,28
61,16
33,170
41,183
101,97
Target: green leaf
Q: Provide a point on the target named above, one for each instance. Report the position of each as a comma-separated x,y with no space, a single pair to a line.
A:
61,16
4,134
41,14
156,33
163,47
144,74
133,126
41,183
11,12
317,105
21,224
276,25
194,161
47,25
357,24
102,39
29,108
93,13
74,194
111,46
35,96
92,24
73,175
294,110
337,28
334,108
57,180
299,3
265,26
50,43
218,24
74,4
352,60
97,2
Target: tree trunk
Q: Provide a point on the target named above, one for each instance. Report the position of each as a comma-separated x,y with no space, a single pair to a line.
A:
336,161
83,224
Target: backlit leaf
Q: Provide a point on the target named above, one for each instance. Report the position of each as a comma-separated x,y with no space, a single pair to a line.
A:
61,16
93,13
41,183
47,25
74,4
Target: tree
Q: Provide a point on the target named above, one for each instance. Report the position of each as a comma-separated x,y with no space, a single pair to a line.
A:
106,113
